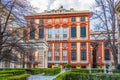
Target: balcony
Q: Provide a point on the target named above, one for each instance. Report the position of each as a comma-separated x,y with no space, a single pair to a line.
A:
59,62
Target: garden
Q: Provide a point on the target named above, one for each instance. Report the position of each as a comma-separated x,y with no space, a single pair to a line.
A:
23,74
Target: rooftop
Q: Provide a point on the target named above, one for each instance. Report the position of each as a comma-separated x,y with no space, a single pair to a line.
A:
60,10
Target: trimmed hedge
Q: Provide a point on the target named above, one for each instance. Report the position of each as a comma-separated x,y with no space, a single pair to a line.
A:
86,76
47,71
19,77
13,72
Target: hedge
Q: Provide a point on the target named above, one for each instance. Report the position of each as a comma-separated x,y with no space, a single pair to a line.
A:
87,76
19,77
13,72
47,71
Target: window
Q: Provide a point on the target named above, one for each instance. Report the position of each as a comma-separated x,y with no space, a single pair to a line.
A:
49,55
57,45
64,45
32,33
106,44
50,20
83,31
83,44
83,54
73,32
41,33
82,18
73,44
32,21
64,55
65,32
57,20
41,21
64,35
49,36
73,19
57,36
73,56
49,45
107,54
57,55
65,19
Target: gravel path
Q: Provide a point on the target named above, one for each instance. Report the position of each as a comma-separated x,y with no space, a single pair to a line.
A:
42,77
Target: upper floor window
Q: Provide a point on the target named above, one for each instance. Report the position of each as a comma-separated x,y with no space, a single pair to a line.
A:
64,35
49,45
82,18
73,19
83,31
107,54
73,44
106,44
65,19
83,44
57,45
83,54
41,21
73,55
32,21
73,32
57,20
50,20
57,36
49,36
41,33
32,33
64,44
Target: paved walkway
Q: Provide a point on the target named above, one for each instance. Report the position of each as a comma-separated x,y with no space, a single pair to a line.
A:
42,77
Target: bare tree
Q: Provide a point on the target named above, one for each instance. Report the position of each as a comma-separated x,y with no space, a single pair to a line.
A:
12,14
105,18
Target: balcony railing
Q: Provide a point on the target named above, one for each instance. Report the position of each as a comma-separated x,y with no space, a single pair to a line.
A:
58,62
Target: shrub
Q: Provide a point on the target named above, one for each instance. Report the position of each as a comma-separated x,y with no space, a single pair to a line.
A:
67,66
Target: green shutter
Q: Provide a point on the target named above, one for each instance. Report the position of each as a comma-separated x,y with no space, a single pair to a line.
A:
73,32
83,31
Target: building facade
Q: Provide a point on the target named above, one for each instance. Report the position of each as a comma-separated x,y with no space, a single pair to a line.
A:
101,54
35,55
67,33
117,10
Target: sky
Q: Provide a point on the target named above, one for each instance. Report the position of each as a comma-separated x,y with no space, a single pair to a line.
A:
67,4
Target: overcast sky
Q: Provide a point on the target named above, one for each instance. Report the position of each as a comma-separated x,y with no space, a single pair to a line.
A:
55,4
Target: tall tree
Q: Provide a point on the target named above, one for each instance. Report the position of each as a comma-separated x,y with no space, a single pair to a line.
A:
105,18
12,14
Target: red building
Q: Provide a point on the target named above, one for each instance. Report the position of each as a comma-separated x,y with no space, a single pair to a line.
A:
101,53
67,33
